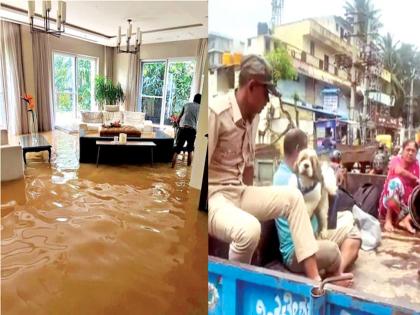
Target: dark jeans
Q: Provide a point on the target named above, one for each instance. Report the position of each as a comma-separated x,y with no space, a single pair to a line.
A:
185,134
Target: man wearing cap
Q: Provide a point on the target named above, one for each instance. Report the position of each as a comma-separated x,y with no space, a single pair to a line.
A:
235,209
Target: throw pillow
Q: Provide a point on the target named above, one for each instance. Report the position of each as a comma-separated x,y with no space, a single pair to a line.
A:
112,108
92,117
134,118
112,117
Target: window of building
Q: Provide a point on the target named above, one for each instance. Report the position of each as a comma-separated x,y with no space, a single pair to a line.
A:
303,56
312,48
321,64
165,88
326,62
249,42
74,85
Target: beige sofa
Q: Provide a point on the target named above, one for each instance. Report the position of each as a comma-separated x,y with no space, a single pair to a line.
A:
93,121
11,159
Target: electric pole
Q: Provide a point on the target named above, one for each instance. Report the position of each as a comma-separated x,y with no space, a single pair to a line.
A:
410,111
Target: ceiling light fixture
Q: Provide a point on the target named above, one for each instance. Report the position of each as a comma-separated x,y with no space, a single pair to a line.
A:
46,10
128,35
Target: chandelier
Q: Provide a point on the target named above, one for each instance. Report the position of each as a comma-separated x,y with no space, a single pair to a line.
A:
46,11
136,48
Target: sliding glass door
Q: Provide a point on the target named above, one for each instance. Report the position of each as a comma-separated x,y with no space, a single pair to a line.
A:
73,78
165,87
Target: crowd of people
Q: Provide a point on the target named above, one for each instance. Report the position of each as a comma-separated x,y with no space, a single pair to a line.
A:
236,207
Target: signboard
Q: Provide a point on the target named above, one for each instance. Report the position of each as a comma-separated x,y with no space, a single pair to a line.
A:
382,98
331,102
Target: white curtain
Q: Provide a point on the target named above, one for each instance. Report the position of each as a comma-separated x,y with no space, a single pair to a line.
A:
202,52
43,81
132,83
13,109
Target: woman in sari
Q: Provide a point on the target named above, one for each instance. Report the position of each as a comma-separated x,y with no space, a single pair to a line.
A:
403,176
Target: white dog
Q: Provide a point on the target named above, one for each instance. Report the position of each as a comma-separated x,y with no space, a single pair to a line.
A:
315,181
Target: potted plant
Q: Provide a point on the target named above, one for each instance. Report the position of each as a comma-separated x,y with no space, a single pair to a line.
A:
106,93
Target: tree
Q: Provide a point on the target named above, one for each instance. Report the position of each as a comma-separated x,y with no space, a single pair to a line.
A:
365,13
391,61
408,60
106,93
177,86
282,64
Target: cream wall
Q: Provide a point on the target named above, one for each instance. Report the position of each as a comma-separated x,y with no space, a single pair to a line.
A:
184,48
120,69
200,152
293,33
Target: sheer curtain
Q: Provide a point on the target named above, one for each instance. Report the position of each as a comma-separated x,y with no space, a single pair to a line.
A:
43,82
202,52
13,111
132,83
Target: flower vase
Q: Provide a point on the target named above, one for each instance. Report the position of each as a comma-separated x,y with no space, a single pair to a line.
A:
33,122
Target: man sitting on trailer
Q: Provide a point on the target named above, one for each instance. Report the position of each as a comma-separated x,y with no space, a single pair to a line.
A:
337,253
235,206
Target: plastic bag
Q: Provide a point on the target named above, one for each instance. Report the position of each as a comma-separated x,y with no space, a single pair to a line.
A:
370,228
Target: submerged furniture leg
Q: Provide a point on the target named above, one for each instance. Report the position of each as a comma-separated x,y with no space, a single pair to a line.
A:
151,153
97,155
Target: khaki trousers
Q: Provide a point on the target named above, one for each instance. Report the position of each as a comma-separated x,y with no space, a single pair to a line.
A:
235,213
328,257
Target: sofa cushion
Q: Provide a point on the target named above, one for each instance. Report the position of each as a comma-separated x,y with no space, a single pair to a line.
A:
134,118
112,108
11,162
112,117
92,117
4,137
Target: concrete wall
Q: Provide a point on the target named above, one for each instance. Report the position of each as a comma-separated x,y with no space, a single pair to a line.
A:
289,87
293,33
257,45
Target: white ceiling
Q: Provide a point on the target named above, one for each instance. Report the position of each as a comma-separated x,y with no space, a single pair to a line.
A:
104,17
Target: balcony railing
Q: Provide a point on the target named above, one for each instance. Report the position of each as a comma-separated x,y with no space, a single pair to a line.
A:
327,37
305,61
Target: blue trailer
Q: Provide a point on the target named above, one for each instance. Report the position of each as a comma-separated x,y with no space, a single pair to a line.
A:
244,289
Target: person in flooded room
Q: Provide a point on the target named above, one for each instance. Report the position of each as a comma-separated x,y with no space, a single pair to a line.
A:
187,129
235,206
340,250
403,176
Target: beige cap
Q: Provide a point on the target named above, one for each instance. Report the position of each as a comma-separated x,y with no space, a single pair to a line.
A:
259,69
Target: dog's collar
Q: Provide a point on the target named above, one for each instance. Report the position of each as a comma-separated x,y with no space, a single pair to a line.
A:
305,190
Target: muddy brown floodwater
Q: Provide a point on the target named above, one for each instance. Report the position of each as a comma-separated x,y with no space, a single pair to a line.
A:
76,239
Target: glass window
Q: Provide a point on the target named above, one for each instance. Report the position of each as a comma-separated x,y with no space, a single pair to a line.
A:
73,78
165,88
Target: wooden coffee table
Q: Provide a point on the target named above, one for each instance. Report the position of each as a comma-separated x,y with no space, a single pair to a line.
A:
115,131
34,143
149,144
